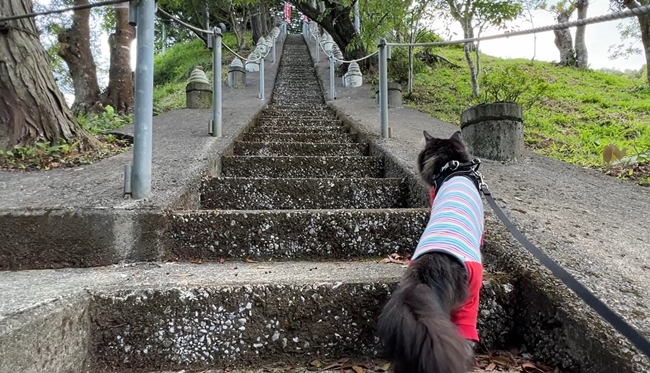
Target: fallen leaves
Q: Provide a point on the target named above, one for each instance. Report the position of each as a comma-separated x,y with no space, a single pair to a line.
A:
395,258
501,361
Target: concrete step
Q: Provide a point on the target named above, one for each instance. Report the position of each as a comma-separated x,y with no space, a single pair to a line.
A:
300,167
299,149
285,194
300,137
239,315
299,129
298,122
315,111
279,235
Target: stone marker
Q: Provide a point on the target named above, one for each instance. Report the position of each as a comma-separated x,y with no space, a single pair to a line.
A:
394,95
353,77
198,92
252,65
237,74
494,131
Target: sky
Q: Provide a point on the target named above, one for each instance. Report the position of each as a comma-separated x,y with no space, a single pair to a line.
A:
599,37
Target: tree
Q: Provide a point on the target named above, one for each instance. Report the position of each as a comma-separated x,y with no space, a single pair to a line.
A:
640,30
643,23
74,49
32,107
571,54
119,93
378,19
475,17
411,30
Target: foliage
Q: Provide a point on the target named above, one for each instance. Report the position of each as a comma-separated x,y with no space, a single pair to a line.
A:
46,155
103,122
512,83
172,69
580,113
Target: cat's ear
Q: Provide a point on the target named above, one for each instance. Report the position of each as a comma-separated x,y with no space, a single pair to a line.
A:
427,137
456,136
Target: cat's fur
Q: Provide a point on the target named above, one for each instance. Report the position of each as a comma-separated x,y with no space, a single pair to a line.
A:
415,327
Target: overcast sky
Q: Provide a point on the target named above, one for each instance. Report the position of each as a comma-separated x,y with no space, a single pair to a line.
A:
599,38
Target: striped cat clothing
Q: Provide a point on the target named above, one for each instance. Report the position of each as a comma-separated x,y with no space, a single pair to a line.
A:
456,227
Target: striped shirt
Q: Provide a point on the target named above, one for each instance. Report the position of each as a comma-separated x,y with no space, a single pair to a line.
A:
456,223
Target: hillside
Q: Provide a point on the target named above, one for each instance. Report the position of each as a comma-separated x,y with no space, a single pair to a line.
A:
580,112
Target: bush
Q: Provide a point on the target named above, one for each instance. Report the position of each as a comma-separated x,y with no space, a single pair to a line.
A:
177,63
511,83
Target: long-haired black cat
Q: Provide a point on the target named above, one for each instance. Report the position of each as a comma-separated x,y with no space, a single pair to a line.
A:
429,323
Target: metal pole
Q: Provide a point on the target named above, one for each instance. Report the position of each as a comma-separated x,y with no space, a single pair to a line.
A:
317,48
332,68
164,38
273,47
143,118
357,18
261,78
383,88
217,119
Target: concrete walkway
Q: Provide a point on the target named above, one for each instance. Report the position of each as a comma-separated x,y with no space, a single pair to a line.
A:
595,226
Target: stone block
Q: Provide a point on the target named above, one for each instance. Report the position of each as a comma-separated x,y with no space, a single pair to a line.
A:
198,95
237,78
394,95
494,131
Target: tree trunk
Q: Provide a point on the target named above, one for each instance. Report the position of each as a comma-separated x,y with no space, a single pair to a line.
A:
338,22
564,41
472,72
409,86
119,93
31,106
644,23
256,26
582,57
75,51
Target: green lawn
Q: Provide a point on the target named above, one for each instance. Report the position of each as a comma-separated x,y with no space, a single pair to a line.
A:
580,113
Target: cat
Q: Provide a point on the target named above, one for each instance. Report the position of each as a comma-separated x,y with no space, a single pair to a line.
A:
429,323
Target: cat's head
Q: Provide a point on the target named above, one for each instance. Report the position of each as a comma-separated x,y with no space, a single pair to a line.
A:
437,152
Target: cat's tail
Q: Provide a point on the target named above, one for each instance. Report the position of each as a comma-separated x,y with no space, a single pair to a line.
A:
417,334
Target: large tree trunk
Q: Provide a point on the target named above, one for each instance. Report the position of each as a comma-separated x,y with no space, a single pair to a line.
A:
31,106
75,51
257,27
338,22
582,57
564,41
119,93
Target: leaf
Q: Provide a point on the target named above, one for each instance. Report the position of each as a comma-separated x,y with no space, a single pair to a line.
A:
530,367
182,274
608,153
222,260
357,369
384,367
250,261
490,367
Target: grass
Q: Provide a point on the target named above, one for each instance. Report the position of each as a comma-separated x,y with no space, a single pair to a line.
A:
46,155
580,113
172,69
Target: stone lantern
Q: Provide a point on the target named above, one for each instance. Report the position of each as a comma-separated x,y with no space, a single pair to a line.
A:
198,91
353,77
237,74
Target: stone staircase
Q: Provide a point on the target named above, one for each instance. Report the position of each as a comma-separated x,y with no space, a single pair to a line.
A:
298,216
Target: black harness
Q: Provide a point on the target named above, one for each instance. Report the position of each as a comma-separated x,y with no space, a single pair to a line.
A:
455,168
